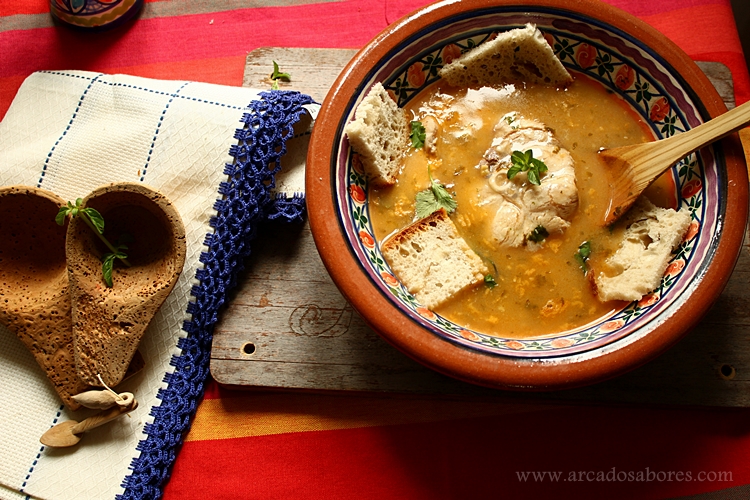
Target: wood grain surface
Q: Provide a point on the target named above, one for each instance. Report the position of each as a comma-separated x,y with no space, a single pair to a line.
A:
288,327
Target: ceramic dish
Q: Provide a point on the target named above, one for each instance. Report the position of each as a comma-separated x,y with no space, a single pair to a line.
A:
654,77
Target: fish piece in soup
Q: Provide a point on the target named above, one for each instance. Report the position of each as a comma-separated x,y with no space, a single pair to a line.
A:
521,205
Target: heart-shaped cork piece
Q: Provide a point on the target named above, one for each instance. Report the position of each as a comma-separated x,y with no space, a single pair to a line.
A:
108,322
34,298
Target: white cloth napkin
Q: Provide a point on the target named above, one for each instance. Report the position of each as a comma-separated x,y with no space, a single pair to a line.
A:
69,132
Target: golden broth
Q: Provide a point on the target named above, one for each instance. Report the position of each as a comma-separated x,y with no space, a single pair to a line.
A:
538,292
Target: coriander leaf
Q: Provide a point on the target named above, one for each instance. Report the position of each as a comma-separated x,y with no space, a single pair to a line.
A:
434,198
582,256
489,281
538,234
525,162
444,197
418,135
426,203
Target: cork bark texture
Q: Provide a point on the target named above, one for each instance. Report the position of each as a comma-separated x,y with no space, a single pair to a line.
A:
34,291
108,323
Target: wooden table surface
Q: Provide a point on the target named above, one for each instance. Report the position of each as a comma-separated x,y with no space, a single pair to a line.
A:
288,327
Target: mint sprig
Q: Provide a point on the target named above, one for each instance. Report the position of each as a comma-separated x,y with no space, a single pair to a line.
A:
95,222
278,75
525,162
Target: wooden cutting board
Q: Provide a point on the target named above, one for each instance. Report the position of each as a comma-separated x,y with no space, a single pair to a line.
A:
288,327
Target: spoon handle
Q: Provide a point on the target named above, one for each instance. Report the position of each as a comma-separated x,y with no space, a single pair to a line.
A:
102,418
669,151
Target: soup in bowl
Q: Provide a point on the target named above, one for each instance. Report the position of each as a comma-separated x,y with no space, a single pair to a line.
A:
630,84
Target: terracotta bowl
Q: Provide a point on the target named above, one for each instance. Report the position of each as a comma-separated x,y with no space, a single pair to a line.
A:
651,74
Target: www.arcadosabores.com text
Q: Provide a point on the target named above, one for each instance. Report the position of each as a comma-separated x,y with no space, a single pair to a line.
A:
614,475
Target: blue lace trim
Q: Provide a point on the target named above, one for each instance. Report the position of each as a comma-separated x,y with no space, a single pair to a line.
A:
245,201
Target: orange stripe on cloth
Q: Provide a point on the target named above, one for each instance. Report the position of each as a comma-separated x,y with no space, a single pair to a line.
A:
260,413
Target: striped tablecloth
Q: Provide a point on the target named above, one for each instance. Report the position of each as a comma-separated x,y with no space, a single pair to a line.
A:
271,445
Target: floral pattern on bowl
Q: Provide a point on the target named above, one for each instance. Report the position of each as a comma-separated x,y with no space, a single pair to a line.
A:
620,63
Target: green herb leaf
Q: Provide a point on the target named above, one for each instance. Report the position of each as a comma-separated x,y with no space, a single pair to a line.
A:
538,234
278,75
489,281
418,135
107,265
61,215
108,261
95,217
582,256
95,222
426,203
434,198
525,162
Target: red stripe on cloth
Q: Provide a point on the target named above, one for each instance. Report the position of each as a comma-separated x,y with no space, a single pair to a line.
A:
220,70
694,40
8,88
736,63
598,452
191,37
10,8
350,24
650,7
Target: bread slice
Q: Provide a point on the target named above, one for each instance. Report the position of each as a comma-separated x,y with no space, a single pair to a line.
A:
636,268
379,133
518,55
432,260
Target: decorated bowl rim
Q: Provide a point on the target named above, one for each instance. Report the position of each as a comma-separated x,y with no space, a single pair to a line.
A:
507,367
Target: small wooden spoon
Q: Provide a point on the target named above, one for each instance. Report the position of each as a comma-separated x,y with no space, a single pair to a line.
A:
68,433
633,168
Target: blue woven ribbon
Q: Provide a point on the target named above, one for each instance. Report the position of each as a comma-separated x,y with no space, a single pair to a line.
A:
246,200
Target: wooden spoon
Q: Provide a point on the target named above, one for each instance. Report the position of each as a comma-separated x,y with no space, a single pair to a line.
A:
68,433
633,168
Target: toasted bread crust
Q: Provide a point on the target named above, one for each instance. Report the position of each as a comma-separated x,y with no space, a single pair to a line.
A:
636,268
519,55
379,133
432,260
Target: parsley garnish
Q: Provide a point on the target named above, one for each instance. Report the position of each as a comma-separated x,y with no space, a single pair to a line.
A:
434,198
418,135
489,281
277,75
525,162
538,234
582,256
